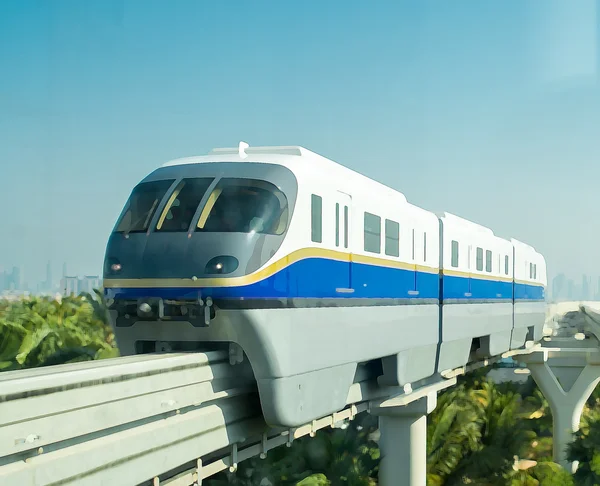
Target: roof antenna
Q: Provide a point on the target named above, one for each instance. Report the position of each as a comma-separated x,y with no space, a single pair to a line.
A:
243,146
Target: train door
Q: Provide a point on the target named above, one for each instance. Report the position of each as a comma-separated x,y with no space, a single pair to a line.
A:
426,284
469,267
416,257
343,210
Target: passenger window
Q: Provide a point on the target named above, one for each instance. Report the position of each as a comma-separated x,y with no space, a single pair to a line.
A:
413,244
479,265
454,261
506,264
530,270
424,247
488,261
244,206
345,226
337,224
372,233
182,205
392,238
142,205
535,271
316,216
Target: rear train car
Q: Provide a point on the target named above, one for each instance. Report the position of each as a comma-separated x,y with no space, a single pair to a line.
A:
488,306
530,283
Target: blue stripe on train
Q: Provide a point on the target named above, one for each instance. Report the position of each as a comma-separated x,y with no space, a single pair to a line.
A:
476,289
324,278
529,292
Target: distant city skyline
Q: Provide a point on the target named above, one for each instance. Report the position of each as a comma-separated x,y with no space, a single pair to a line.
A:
563,288
14,280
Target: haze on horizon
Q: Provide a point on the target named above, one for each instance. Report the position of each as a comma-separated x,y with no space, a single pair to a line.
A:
489,110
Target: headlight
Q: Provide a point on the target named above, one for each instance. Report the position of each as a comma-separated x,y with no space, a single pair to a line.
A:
112,266
222,265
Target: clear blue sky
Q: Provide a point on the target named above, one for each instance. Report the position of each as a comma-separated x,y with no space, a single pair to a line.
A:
488,109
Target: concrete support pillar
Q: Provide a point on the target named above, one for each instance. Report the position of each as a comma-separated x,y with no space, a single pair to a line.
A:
566,377
403,441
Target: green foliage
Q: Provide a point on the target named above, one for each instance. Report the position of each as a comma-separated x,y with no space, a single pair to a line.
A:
315,480
333,457
542,474
42,331
480,433
479,429
586,449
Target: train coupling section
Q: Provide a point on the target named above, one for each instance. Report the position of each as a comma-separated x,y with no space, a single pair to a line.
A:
199,312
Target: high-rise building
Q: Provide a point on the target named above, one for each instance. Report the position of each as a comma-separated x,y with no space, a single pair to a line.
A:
88,283
558,287
585,287
48,276
70,286
15,283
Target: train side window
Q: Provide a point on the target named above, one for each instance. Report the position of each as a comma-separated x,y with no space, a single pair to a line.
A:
488,261
454,261
413,244
372,233
535,271
506,264
479,265
530,270
345,226
424,246
337,224
392,238
316,216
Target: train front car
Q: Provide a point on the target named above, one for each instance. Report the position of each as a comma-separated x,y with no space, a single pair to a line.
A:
190,260
208,251
190,235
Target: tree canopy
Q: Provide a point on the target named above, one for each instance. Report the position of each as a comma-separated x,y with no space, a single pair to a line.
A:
480,433
42,331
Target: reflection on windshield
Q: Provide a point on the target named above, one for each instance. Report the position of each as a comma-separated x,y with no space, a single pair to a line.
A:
142,205
245,206
182,204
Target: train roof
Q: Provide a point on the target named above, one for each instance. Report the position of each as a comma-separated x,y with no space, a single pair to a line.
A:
300,160
464,223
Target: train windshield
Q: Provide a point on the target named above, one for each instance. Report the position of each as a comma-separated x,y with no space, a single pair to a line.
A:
245,206
142,205
182,204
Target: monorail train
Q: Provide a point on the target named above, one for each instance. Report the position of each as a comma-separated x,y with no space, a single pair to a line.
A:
312,269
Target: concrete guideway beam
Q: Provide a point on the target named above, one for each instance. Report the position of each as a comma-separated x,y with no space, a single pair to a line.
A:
567,371
403,441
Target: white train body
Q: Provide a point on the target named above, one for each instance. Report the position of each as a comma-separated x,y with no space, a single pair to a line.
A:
321,270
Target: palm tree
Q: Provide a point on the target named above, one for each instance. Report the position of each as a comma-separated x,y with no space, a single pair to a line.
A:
454,431
475,432
40,331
